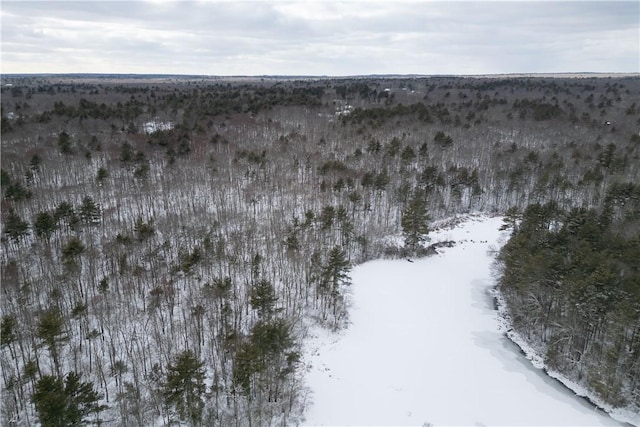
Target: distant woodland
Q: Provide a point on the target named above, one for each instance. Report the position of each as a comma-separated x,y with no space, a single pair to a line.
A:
167,242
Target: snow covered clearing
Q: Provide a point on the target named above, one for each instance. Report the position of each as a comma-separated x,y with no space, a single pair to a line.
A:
155,126
425,346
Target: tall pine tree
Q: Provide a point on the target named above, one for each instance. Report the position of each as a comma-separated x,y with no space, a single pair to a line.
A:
89,212
15,227
414,222
184,387
65,403
334,275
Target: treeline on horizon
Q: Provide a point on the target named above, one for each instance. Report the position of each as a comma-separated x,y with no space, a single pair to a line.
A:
166,245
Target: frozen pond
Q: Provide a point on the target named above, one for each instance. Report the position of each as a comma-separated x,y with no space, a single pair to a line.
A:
424,347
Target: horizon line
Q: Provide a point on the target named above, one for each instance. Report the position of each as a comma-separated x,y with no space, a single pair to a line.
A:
325,76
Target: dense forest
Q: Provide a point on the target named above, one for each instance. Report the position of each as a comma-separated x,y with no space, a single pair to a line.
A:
168,241
571,280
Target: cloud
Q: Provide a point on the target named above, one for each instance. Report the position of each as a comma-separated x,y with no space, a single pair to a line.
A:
319,37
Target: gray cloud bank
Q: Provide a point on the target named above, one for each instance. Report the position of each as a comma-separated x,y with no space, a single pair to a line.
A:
319,37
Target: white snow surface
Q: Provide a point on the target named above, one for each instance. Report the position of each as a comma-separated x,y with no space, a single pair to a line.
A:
425,347
156,125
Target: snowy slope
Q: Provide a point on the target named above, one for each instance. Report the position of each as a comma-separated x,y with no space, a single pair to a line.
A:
425,346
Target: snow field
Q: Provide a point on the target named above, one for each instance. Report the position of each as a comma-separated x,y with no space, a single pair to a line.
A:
425,347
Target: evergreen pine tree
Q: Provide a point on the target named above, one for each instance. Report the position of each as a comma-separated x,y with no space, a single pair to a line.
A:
101,175
44,225
184,386
89,212
50,330
16,191
5,178
66,212
144,230
263,298
71,250
64,143
265,359
50,400
65,403
35,162
7,329
126,153
336,271
15,227
414,223
334,274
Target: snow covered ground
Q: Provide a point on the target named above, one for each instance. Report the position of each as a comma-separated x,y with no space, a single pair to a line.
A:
156,125
425,347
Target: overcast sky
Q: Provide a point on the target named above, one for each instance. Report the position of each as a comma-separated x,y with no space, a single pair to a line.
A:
274,37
